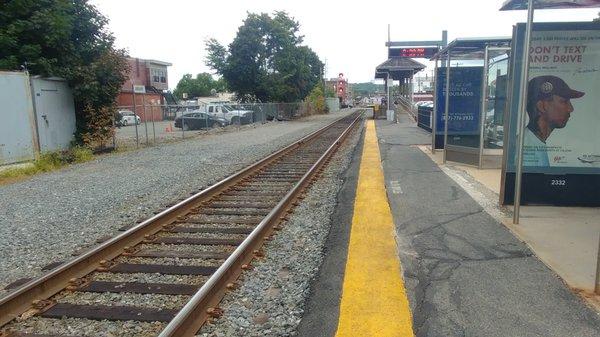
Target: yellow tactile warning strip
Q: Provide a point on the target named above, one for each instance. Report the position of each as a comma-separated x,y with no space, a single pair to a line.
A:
374,301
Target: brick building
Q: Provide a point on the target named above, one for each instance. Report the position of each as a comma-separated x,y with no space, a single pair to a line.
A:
153,76
341,88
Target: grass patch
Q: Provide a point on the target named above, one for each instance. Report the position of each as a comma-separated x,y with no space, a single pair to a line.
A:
82,154
47,161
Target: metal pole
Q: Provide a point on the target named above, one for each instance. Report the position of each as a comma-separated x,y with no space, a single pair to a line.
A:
444,38
388,34
114,134
433,112
239,123
153,129
447,107
137,136
165,115
412,94
396,119
597,281
483,112
145,119
387,84
521,113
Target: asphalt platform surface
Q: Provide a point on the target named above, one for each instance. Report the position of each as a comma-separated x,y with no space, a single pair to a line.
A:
465,273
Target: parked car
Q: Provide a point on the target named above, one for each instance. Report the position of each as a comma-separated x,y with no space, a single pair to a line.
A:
127,117
494,133
423,103
428,104
198,120
230,113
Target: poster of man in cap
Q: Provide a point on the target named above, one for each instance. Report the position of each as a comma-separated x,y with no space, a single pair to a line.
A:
563,106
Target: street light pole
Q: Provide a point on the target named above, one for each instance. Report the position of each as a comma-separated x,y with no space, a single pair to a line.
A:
521,114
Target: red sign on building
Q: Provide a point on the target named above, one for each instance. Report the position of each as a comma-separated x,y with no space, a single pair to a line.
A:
413,52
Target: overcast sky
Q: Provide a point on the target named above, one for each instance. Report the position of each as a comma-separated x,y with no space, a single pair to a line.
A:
349,35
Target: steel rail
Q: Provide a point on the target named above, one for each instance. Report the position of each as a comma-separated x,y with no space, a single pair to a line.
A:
193,315
20,300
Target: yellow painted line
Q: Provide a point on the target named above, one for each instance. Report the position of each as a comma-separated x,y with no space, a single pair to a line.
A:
374,301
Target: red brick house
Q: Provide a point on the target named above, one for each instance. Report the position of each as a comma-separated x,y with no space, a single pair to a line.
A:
339,86
151,74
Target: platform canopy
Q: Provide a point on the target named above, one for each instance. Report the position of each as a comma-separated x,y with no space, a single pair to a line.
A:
471,48
541,4
398,68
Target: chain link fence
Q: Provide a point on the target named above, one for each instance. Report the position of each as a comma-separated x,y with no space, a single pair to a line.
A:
145,125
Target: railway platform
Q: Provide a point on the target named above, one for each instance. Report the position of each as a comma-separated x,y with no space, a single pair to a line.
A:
463,272
350,230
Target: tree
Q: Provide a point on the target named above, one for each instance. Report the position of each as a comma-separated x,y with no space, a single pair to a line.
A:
367,88
67,38
266,61
316,98
200,86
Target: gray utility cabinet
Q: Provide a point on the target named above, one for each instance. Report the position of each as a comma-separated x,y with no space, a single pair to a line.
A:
55,113
37,115
333,103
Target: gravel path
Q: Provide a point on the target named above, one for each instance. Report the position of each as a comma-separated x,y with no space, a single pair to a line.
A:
271,297
46,218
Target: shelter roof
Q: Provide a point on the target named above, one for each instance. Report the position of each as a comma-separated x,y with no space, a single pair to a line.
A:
398,68
471,48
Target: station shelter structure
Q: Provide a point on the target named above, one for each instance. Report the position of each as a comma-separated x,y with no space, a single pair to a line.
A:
494,99
401,66
477,111
472,99
481,105
401,69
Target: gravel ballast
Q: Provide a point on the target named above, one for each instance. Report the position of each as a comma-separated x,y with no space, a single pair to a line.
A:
45,218
271,296
88,327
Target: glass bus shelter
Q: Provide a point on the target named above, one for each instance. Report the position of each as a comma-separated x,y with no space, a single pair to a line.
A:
472,99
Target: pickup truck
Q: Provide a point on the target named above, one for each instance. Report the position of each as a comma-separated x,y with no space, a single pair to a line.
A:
230,113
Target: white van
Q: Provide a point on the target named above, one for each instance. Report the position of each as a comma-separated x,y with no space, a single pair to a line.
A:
230,113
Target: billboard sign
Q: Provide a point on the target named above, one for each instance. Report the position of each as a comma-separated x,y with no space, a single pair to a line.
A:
465,100
561,150
413,52
563,119
541,4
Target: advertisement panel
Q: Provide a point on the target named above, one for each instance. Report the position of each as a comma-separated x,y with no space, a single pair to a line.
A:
561,153
465,100
563,116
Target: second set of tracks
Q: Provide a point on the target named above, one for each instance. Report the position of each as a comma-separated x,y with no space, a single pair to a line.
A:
187,255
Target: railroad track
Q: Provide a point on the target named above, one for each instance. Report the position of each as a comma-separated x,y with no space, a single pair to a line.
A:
183,259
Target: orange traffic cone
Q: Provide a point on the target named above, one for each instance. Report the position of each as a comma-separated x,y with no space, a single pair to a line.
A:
169,128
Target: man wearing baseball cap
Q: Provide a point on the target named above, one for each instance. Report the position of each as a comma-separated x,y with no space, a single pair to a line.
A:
549,107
